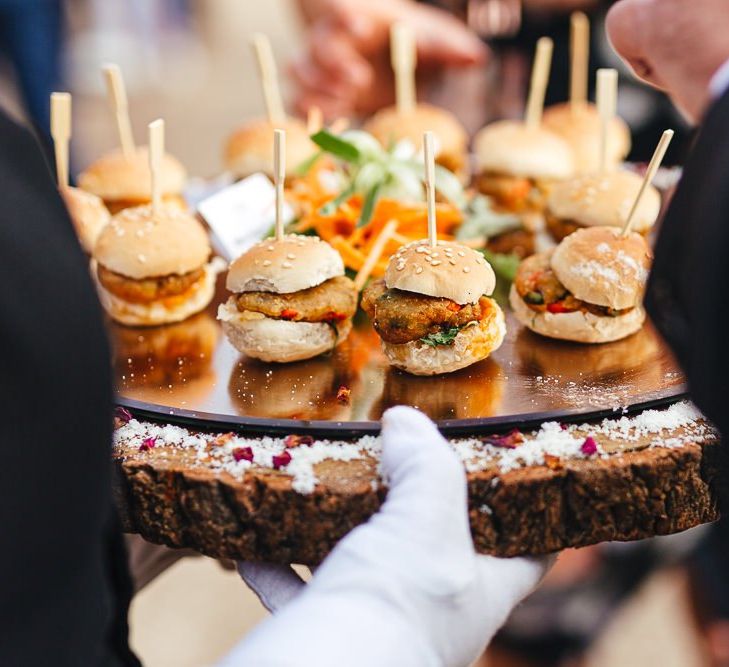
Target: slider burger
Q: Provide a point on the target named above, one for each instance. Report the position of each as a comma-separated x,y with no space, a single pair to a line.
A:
154,269
600,200
249,149
88,215
517,165
432,309
580,126
390,126
291,300
123,182
588,289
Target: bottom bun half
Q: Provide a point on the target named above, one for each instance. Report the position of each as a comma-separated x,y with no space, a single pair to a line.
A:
578,326
282,341
168,311
473,343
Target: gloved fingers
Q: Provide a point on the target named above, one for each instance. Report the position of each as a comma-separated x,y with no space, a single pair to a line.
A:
507,581
275,585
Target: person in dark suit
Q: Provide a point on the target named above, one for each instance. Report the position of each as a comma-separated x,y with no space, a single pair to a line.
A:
682,47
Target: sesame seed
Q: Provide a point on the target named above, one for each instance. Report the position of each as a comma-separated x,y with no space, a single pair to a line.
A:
141,258
466,269
436,262
266,262
421,249
461,253
418,269
435,254
287,265
291,256
452,261
270,248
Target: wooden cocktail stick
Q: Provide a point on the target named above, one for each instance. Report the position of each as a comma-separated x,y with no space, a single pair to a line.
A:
403,58
429,156
607,97
156,153
378,247
117,94
269,78
314,119
538,85
61,133
579,58
279,175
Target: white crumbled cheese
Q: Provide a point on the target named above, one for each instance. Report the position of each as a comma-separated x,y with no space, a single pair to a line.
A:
215,451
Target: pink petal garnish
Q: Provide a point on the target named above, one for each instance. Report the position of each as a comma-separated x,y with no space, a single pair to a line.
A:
122,414
243,454
281,460
147,444
589,446
509,440
298,440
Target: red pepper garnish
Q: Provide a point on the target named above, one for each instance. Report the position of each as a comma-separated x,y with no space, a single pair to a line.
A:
557,307
333,316
283,459
289,314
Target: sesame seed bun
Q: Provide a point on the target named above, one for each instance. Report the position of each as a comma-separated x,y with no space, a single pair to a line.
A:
389,125
578,326
604,200
513,148
88,214
473,343
282,341
295,263
114,177
138,244
601,267
250,148
450,270
165,311
580,128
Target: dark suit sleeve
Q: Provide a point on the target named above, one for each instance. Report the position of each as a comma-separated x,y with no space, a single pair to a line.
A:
64,590
688,292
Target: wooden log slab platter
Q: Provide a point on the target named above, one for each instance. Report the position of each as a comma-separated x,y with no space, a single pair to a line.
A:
290,499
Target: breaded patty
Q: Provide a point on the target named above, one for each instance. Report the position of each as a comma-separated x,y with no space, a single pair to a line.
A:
332,301
401,317
148,289
519,242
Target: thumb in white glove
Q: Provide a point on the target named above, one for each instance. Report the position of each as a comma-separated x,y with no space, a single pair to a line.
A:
407,587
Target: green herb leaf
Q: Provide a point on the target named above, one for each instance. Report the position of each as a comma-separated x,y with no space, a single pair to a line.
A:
368,205
331,206
337,146
446,337
504,266
302,169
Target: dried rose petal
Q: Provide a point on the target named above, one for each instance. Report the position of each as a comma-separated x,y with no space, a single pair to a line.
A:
509,440
222,439
122,414
553,462
298,440
243,454
281,460
589,446
344,395
147,444
564,427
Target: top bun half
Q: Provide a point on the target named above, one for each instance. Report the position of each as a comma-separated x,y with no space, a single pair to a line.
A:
292,264
600,266
450,270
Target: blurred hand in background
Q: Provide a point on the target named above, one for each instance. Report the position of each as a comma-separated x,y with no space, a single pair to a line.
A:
345,69
674,45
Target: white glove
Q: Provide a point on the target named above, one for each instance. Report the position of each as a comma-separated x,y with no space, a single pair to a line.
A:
407,587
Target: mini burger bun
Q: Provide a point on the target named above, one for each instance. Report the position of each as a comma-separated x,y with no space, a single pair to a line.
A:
473,343
280,341
292,264
516,149
580,127
389,125
581,327
157,312
450,270
250,148
138,244
604,199
88,215
600,266
115,177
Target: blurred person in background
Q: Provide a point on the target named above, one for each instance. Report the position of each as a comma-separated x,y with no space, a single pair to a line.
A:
683,48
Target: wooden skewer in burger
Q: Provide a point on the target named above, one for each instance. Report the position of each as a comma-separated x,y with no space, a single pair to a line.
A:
152,262
250,148
87,211
578,121
121,178
433,310
605,196
518,162
408,119
291,299
590,288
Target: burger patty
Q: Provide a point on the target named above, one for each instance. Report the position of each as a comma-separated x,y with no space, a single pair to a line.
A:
117,205
539,287
512,192
451,161
147,289
519,242
401,317
333,301
560,229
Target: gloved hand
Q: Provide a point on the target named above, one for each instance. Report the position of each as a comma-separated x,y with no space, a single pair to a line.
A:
407,587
